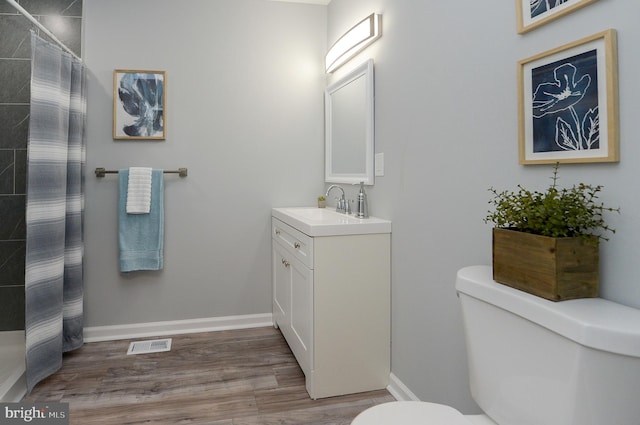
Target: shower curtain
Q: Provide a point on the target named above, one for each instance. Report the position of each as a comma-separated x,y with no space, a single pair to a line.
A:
55,209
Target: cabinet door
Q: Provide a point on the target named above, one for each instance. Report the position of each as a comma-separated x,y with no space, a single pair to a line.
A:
302,314
281,287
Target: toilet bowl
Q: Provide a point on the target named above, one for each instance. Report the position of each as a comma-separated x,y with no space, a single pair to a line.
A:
417,413
536,362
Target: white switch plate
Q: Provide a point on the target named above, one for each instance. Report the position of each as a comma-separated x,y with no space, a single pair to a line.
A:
379,164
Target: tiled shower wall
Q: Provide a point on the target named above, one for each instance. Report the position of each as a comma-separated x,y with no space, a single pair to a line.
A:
64,19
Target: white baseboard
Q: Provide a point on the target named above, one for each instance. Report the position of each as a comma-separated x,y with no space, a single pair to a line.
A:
175,327
399,390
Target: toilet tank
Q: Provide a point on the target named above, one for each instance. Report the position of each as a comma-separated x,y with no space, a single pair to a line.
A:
539,362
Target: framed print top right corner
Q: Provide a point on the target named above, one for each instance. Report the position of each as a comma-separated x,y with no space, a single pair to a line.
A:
568,103
534,13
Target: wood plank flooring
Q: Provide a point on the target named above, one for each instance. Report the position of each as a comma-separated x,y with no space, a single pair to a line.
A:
238,377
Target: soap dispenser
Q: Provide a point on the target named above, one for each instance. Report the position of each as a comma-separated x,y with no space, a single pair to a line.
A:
362,210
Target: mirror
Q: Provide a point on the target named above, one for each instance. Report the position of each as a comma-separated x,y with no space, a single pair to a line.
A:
349,127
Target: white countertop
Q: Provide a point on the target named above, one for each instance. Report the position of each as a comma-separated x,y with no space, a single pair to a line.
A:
314,221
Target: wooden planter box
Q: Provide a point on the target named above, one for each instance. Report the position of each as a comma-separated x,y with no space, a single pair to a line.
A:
553,268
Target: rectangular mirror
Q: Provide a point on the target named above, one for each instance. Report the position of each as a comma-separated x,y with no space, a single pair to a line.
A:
349,127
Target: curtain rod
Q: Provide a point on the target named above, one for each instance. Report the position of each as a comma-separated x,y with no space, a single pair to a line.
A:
42,27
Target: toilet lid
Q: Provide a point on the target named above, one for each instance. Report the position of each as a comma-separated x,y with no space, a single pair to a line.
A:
410,413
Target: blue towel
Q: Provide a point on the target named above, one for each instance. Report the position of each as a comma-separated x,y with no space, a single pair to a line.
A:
141,236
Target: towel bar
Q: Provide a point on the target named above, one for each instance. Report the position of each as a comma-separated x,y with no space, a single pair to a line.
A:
100,172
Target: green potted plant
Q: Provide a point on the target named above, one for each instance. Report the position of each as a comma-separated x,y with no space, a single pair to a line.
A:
322,201
547,243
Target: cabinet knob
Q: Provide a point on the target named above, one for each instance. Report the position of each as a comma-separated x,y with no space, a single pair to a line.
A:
296,245
277,232
285,262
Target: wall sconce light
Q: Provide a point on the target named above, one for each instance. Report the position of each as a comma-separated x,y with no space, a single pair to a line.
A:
353,41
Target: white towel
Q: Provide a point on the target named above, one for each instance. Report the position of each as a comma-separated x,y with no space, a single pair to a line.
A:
139,190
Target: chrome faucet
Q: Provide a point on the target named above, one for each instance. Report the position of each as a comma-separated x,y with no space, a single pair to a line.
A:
342,205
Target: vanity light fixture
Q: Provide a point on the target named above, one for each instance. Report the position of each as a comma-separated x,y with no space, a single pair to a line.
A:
353,41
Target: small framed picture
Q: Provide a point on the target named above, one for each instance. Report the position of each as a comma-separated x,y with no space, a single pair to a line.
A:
568,103
534,13
139,105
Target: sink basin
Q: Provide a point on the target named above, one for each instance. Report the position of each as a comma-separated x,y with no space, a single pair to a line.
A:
327,222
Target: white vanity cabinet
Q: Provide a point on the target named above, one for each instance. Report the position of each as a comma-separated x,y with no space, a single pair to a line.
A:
293,290
331,301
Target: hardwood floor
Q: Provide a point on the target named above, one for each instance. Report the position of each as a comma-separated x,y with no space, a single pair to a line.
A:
239,377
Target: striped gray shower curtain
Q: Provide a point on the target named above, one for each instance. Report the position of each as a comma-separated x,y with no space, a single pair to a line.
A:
55,209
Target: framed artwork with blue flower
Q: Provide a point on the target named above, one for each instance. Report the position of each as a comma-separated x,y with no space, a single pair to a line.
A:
533,13
568,103
139,105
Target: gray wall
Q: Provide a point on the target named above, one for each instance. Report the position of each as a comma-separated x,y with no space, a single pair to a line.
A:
446,119
244,114
15,75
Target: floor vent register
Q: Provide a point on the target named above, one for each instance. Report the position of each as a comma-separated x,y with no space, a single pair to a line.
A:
152,346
